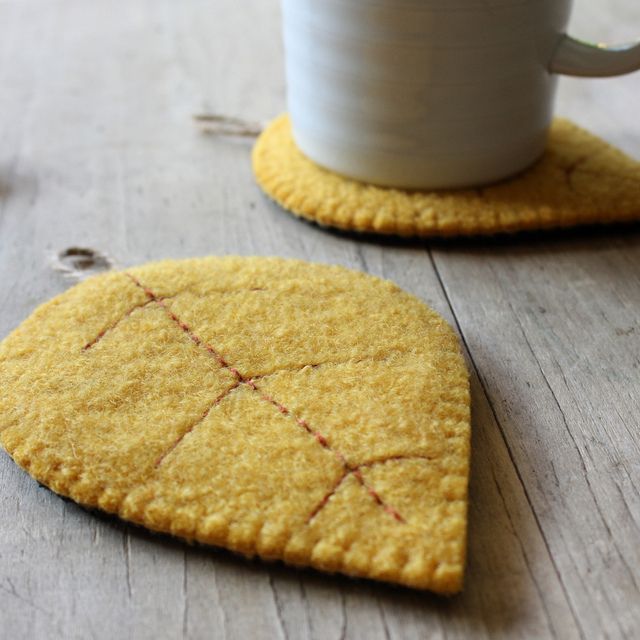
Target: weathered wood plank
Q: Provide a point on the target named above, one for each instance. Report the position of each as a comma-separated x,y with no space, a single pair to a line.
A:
559,361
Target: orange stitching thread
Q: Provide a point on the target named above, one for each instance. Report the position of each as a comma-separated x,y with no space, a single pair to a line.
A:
284,410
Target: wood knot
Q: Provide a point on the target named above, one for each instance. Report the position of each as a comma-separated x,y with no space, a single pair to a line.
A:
78,263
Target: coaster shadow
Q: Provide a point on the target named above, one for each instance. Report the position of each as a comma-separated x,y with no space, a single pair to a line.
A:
542,238
5,190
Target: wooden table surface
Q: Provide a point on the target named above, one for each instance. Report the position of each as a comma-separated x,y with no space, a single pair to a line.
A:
98,148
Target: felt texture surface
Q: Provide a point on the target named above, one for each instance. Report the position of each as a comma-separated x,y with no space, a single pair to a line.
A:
579,180
300,412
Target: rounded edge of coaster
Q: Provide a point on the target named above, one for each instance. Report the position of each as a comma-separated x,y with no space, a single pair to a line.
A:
542,197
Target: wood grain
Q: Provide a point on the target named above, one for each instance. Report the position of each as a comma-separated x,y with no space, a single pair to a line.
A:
98,149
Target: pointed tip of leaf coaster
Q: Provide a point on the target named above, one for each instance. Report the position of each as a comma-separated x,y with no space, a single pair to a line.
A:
235,402
580,180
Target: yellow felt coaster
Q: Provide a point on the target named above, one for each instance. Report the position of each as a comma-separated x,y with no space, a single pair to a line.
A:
295,411
580,180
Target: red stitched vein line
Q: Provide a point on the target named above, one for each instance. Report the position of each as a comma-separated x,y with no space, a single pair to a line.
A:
325,500
358,475
376,496
202,418
348,468
400,456
185,327
111,327
320,439
251,384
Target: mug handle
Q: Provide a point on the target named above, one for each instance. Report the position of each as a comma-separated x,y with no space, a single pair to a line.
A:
576,58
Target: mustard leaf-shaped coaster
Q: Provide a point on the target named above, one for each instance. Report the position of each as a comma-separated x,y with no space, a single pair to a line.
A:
579,180
299,412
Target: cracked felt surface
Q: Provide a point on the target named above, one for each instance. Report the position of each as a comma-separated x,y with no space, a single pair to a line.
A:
299,412
580,180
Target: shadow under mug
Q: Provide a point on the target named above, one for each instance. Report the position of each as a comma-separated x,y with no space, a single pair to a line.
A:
431,94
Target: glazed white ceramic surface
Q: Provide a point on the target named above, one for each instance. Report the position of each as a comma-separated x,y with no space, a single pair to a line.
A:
431,93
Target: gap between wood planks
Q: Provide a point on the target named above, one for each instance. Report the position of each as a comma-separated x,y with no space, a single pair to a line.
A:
483,386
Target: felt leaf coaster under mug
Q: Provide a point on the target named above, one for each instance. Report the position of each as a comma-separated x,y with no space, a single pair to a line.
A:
579,180
278,408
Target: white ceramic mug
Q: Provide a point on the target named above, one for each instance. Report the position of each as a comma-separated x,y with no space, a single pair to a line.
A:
431,94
